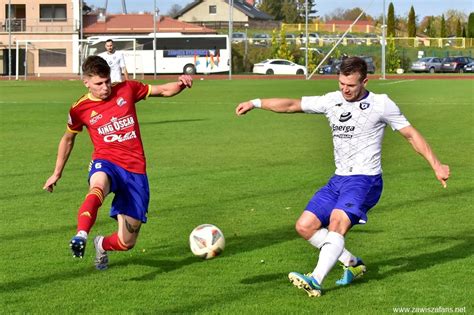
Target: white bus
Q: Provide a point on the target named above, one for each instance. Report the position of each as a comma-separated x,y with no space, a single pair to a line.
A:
175,53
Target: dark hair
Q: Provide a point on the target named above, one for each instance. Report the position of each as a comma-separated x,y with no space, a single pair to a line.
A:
109,40
352,65
95,65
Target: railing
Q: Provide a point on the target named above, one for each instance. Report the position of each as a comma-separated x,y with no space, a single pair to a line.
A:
39,26
331,28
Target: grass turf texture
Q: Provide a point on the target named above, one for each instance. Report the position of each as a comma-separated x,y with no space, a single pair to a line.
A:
251,176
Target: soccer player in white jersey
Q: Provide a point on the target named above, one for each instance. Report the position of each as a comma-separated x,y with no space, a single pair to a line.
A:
115,60
357,119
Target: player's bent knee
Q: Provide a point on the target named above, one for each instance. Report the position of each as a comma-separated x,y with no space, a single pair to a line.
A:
304,229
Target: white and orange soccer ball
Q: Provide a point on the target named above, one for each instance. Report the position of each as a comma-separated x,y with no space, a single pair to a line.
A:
207,241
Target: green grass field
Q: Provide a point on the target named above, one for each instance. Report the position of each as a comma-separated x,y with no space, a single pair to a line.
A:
251,176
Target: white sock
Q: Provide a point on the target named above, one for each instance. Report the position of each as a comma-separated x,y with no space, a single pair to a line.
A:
317,240
82,234
99,244
330,252
347,258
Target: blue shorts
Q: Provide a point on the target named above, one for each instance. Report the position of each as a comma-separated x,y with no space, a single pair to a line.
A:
131,190
355,195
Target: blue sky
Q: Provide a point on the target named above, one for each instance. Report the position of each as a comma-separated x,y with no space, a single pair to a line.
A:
373,7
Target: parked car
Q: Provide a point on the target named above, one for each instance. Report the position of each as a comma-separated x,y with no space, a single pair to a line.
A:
334,65
290,39
331,68
455,64
238,37
330,39
261,39
372,38
469,67
370,64
427,64
313,38
278,66
315,51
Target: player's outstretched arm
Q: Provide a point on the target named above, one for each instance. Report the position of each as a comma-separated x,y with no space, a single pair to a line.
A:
423,148
279,105
64,150
172,88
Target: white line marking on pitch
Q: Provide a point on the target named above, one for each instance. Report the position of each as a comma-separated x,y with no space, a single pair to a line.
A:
402,81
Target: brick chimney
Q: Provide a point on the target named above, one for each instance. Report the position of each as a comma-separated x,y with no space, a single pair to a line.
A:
250,2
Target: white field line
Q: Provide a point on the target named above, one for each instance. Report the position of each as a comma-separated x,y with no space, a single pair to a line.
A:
395,82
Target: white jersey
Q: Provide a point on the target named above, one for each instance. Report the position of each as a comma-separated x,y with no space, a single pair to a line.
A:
116,62
357,129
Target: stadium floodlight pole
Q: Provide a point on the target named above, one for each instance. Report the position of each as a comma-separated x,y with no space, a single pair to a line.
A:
9,40
307,38
154,39
384,38
231,22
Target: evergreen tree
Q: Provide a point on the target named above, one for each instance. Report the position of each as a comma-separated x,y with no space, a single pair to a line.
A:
442,27
289,12
470,26
458,29
391,20
464,32
393,58
272,7
430,29
411,23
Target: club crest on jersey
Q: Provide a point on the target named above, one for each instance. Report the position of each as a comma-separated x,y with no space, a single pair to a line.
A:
121,101
364,105
345,116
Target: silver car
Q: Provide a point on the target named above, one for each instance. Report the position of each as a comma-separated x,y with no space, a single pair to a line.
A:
427,64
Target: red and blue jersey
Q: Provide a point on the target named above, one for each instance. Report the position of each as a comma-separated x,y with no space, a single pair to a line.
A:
112,125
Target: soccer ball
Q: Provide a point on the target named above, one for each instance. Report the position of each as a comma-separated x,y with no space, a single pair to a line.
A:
206,241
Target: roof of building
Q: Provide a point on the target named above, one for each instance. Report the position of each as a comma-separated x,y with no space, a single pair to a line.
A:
139,24
240,5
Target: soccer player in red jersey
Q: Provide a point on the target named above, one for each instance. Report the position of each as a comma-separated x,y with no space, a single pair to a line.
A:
118,161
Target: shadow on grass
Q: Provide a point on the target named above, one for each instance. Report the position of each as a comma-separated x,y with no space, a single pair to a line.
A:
403,263
236,245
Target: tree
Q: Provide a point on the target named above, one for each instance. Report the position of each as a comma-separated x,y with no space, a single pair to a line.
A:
393,58
391,20
283,51
175,8
442,27
349,14
470,26
411,23
271,7
459,29
290,12
430,27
